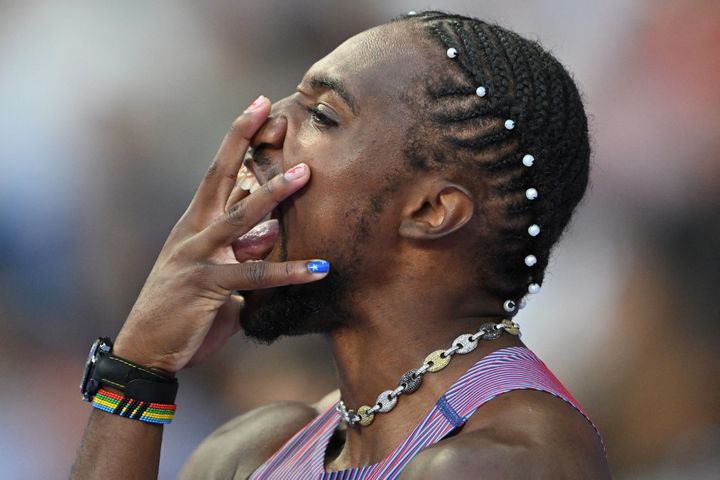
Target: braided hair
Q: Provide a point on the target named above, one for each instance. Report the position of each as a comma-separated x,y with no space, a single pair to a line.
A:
507,112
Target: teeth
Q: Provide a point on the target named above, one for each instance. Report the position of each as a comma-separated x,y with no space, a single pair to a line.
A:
242,173
248,182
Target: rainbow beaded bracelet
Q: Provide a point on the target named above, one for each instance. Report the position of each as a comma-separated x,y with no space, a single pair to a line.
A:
127,407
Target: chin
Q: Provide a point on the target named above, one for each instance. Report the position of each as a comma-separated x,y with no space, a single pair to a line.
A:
292,310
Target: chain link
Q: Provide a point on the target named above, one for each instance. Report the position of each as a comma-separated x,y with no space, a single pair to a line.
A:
422,370
451,351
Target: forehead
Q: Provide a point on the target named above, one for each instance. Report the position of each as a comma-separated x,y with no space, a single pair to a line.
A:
379,64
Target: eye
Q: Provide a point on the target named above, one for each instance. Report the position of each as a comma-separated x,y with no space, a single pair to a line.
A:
319,118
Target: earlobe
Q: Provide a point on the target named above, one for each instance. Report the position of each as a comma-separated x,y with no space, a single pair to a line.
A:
438,213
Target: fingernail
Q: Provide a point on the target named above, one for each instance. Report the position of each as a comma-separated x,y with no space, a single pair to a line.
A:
295,172
318,266
257,103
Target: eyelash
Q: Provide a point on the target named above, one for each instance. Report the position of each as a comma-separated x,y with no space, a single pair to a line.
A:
320,118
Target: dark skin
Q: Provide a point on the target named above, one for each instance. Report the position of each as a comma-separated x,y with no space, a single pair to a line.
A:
419,242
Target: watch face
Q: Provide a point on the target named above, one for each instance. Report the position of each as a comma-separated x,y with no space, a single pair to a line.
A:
88,386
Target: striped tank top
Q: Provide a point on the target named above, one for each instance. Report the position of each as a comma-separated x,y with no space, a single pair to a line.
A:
514,368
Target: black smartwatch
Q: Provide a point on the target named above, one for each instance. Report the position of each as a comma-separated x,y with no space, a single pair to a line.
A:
135,381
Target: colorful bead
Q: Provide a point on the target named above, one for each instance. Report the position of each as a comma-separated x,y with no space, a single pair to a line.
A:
127,407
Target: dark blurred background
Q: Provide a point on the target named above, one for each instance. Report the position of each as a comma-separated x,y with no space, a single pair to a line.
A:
111,111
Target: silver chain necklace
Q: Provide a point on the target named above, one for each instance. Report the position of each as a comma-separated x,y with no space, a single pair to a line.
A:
412,379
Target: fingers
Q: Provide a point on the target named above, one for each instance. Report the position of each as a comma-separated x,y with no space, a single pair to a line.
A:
259,275
221,177
244,215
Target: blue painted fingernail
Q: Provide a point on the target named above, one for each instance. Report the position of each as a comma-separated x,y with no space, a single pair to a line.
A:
318,266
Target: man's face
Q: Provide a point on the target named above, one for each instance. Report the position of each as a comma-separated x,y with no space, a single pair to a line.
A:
346,121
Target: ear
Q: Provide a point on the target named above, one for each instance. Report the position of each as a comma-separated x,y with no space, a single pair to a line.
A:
438,211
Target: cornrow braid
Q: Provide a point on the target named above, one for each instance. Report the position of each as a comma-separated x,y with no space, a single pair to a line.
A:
525,132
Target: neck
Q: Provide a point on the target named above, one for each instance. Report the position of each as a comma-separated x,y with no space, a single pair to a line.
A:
393,332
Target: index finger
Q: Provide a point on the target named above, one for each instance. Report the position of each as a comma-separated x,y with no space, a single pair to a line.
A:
221,176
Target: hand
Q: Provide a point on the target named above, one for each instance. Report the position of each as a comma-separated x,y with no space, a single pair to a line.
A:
185,310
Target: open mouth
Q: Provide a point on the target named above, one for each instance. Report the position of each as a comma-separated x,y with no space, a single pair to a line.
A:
262,240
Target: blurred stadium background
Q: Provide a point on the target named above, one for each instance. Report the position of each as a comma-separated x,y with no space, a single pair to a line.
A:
111,111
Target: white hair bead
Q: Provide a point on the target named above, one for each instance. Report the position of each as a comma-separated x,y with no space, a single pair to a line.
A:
533,288
534,230
531,194
481,91
530,260
509,306
523,303
528,160
509,124
452,52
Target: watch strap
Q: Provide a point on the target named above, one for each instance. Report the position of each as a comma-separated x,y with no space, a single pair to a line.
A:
135,381
124,406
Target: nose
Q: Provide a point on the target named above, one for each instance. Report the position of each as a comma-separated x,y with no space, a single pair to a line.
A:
271,134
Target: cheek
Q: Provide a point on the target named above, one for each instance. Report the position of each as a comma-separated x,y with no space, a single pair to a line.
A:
347,168
326,213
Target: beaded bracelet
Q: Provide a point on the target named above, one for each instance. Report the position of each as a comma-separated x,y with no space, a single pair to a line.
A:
127,407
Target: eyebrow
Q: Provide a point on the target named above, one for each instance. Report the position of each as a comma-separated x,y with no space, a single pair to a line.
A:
337,86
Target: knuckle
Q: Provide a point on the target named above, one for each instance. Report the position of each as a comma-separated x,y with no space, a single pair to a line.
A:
293,269
236,214
212,170
197,273
268,188
255,272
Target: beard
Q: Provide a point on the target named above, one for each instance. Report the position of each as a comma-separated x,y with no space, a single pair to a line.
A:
316,307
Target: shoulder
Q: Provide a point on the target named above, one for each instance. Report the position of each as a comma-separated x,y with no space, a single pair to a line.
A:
240,446
521,434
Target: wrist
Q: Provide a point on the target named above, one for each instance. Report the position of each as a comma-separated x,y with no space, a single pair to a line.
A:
125,350
105,368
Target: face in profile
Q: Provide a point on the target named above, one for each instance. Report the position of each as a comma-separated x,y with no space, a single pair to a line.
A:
347,121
